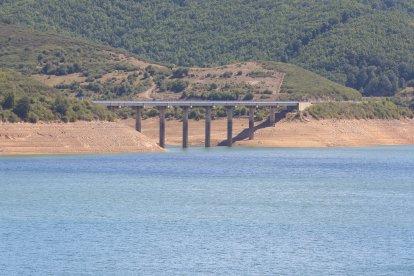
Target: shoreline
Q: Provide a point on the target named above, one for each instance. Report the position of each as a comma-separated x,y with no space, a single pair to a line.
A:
92,138
72,138
291,134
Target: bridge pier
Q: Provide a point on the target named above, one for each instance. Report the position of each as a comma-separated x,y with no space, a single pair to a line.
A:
162,110
251,122
185,126
229,110
272,116
208,128
138,119
162,106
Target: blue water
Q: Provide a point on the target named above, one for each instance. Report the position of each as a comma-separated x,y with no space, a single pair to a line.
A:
221,211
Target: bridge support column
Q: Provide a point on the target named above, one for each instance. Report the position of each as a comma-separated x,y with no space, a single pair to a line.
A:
229,126
185,127
272,116
162,110
208,127
251,123
138,119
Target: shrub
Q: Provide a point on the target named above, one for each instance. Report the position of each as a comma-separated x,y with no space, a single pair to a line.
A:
410,83
9,101
259,74
259,117
152,112
248,97
177,86
33,118
22,107
61,105
267,92
220,96
195,114
12,118
213,86
180,73
227,74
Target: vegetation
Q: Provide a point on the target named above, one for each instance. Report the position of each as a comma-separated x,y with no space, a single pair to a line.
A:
372,109
373,53
84,64
260,74
300,84
90,71
366,45
24,99
176,86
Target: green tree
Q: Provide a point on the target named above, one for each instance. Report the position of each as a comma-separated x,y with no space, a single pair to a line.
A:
180,73
385,87
9,100
177,86
61,105
22,108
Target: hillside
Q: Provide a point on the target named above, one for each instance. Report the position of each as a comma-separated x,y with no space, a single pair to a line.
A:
88,70
22,98
64,63
366,45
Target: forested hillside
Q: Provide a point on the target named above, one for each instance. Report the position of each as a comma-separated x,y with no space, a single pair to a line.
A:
92,71
366,45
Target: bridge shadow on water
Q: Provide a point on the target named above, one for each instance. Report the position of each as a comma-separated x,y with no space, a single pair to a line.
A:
244,134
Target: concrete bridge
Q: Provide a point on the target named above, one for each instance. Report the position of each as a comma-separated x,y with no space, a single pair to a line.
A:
208,105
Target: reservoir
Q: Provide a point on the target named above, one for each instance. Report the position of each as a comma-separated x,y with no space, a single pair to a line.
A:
239,211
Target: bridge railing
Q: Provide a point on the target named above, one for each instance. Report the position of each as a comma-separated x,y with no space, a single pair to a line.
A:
196,103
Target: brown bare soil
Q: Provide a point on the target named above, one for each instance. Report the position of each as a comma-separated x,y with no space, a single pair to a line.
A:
55,80
240,75
116,76
72,138
133,60
107,137
199,79
324,133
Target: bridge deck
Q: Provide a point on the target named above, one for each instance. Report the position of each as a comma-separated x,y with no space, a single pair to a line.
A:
196,103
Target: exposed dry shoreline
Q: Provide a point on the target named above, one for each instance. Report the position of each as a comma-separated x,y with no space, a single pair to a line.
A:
72,138
323,133
107,137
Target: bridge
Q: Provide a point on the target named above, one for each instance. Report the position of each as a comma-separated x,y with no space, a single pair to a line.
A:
208,106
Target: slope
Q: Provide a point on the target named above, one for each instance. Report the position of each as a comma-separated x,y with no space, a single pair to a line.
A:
195,32
22,98
88,70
